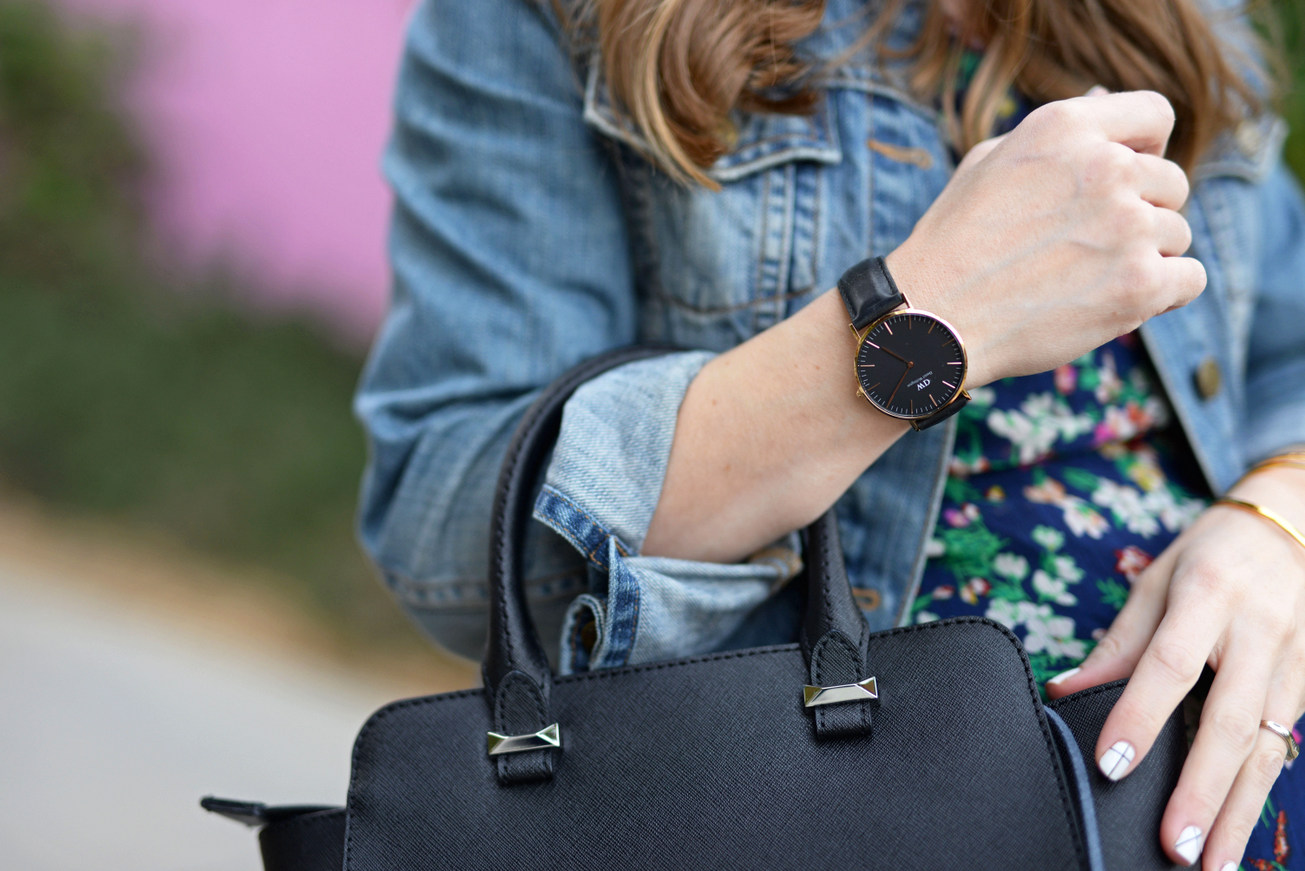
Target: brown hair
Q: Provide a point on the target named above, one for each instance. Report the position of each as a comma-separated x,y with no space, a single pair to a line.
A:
678,68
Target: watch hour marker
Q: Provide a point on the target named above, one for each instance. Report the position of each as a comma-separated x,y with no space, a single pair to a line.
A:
949,384
931,326
931,399
888,328
953,363
872,344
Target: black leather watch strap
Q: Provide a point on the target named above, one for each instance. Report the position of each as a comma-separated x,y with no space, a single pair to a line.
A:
943,413
869,292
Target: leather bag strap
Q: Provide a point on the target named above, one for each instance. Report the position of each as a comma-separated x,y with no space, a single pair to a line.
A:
834,634
305,843
515,669
291,837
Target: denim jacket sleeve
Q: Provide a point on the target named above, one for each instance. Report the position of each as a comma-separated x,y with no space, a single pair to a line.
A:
511,263
1275,366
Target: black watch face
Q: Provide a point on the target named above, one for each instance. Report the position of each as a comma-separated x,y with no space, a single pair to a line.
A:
910,364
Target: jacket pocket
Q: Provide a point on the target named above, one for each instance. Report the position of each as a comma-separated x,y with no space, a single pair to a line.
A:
716,267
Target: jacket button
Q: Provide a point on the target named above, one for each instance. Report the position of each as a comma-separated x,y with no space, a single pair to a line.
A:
867,599
1209,378
787,563
1249,137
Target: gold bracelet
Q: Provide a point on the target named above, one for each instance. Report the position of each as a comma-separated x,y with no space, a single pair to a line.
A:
1267,513
1296,456
1291,459
1275,461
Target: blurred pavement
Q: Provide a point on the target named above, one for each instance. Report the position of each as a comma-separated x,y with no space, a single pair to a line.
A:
114,721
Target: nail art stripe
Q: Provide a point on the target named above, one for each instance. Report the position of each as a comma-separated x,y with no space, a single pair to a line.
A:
1115,761
1190,843
1064,675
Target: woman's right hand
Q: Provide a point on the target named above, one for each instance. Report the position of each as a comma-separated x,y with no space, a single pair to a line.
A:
1057,237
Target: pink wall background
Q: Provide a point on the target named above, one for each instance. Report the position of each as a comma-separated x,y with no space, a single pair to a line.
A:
265,120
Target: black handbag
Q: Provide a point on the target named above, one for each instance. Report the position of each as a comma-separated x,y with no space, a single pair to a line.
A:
920,747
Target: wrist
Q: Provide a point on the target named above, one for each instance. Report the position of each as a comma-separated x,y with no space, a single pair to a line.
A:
1281,489
829,328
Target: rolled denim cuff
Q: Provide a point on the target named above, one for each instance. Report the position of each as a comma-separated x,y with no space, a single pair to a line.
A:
600,490
649,608
611,454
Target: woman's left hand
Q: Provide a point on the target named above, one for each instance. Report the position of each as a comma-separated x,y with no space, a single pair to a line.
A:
1228,592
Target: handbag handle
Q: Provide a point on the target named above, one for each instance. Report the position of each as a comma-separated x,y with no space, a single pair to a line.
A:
516,672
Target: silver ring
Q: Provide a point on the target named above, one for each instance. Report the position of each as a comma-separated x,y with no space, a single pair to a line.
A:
1293,749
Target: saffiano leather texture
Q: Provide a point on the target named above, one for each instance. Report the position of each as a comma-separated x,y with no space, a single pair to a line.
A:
714,762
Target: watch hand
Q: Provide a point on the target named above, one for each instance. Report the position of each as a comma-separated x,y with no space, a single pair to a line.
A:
898,356
900,380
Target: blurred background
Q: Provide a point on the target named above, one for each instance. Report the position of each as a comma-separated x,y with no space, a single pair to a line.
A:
192,228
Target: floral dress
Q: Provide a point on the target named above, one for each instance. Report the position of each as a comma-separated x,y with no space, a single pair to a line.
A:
1063,487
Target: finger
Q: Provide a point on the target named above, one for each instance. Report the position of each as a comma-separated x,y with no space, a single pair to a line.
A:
1118,651
1184,277
1230,720
1142,120
1173,233
1227,842
1166,671
1162,182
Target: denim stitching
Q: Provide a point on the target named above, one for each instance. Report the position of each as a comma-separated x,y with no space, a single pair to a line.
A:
730,309
571,537
763,246
784,256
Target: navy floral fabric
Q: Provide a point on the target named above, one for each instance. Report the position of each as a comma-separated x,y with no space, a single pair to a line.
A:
1064,486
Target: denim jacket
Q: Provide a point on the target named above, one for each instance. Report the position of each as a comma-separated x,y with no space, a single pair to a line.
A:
529,234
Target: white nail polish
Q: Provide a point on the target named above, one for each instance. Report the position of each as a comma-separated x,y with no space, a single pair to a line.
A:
1115,761
1228,866
1064,675
1190,843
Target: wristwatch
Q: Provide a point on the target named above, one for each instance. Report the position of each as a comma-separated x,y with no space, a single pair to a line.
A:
910,364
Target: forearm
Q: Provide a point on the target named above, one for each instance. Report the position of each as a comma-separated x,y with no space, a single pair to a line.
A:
768,436
772,432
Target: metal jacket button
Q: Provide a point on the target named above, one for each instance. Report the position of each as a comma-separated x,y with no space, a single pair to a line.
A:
867,599
1249,137
1209,378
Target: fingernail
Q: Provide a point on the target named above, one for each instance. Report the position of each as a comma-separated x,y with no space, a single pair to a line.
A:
1064,675
1189,844
1228,866
1115,761
1097,91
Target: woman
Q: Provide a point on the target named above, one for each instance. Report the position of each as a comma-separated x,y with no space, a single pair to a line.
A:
555,198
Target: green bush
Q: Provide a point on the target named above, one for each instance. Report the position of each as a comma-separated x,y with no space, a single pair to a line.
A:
130,392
